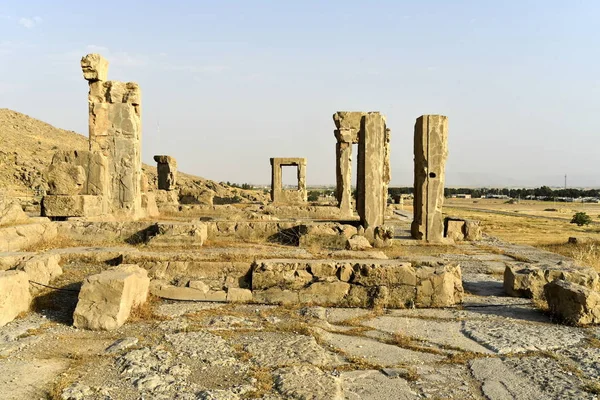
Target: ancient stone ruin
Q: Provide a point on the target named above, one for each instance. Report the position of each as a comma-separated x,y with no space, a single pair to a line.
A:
166,168
288,196
431,152
369,131
107,179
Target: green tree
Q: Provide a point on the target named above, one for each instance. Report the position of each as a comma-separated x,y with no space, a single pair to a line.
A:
581,219
313,195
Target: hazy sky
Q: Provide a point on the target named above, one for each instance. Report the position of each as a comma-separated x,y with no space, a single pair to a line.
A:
228,84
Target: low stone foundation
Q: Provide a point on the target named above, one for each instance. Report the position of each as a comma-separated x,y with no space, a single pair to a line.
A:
529,280
356,283
18,237
459,229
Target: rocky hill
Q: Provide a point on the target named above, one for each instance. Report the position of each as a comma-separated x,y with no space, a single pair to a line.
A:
27,146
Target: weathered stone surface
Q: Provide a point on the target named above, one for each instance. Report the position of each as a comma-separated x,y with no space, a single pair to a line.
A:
178,233
472,230
307,382
275,296
237,295
165,198
166,167
505,336
431,152
94,165
383,236
372,384
106,299
15,238
324,293
501,383
115,131
572,303
369,130
11,212
149,206
278,194
42,268
14,295
73,206
94,67
358,242
65,179
164,290
284,275
454,230
459,229
357,283
529,280
194,196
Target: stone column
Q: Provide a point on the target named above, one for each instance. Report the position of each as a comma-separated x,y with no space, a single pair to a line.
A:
115,131
276,186
370,185
343,165
166,168
302,192
431,152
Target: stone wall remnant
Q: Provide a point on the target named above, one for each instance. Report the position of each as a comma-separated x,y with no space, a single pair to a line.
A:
115,132
166,168
431,152
369,131
290,196
356,283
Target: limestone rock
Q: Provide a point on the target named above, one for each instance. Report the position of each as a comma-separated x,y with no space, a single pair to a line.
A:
94,67
454,230
275,296
106,299
149,205
307,382
238,295
431,152
41,268
358,242
15,238
14,295
529,281
65,179
383,236
73,206
572,303
164,290
472,230
196,196
167,198
324,293
11,212
284,275
178,233
166,168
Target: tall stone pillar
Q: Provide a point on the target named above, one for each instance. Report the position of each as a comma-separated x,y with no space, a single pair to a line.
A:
373,168
276,184
343,165
431,152
166,169
371,186
115,131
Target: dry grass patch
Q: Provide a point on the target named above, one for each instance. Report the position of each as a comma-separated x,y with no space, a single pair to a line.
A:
585,253
147,311
264,383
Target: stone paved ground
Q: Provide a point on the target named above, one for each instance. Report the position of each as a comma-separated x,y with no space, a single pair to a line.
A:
491,347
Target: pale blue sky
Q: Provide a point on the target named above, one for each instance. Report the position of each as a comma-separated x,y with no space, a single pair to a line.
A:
232,83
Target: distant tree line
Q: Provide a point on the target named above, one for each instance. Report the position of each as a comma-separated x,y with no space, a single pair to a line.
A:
543,191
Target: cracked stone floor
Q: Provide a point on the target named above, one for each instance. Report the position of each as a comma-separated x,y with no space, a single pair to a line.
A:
490,347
